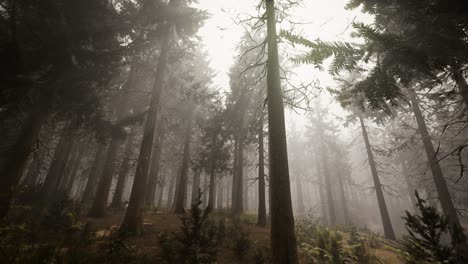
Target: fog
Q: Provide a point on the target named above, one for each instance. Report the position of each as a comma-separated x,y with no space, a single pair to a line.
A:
179,131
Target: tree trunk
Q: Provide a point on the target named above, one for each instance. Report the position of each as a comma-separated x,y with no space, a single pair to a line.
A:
212,192
59,161
238,202
75,168
323,200
387,224
409,185
39,158
344,203
300,199
94,175
196,185
170,194
123,172
162,183
18,157
283,238
103,189
205,187
133,220
446,202
262,218
154,167
245,188
220,191
328,187
181,188
234,174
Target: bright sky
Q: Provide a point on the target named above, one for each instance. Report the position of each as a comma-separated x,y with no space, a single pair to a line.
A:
327,20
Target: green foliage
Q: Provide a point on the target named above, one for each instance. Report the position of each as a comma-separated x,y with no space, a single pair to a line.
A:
262,254
424,243
345,55
30,235
197,241
322,245
241,242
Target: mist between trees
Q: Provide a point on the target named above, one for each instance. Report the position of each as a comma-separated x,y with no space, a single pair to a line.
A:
114,135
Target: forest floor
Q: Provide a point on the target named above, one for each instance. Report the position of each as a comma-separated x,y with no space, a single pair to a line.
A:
156,223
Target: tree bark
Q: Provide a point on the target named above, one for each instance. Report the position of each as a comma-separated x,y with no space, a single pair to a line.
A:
154,168
323,200
445,198
181,188
234,174
123,172
133,220
196,184
262,217
170,194
59,161
409,185
387,224
212,190
20,151
94,175
220,192
238,202
283,238
162,183
74,170
344,202
300,198
328,187
103,189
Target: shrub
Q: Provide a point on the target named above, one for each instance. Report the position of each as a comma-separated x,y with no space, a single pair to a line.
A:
196,242
423,244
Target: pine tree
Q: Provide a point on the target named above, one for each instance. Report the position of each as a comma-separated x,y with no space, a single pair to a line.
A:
424,244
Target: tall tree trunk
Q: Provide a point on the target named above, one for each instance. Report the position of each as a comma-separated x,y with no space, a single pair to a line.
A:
196,184
18,157
170,194
262,218
234,174
181,188
387,224
205,188
328,187
117,199
446,202
75,168
245,187
238,202
59,161
283,238
409,185
105,181
133,220
212,190
39,158
154,167
162,183
300,198
94,175
220,191
344,202
323,201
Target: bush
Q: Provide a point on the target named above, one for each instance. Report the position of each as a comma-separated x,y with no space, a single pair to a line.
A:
197,241
240,239
423,244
